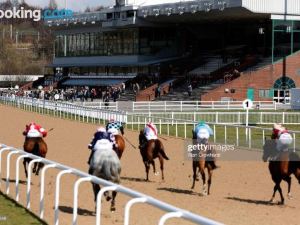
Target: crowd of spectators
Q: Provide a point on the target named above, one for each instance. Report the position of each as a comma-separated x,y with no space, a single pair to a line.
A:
105,94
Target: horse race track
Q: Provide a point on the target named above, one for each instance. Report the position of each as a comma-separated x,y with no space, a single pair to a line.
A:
240,189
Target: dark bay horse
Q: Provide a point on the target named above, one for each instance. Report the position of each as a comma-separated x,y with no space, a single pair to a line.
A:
151,150
105,164
36,146
121,145
281,166
201,162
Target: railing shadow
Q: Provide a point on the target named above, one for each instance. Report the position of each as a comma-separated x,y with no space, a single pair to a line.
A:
14,181
82,212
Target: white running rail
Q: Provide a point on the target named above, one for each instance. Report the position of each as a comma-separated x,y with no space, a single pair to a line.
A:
137,197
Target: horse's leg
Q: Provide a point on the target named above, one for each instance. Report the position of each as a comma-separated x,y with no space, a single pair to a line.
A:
96,189
154,167
25,166
40,166
161,161
34,167
195,166
289,181
210,172
112,206
202,171
147,166
281,195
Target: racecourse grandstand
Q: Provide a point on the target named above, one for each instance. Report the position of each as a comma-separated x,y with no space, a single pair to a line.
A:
226,49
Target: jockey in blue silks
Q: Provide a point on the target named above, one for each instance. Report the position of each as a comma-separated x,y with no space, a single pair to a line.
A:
202,132
101,134
201,135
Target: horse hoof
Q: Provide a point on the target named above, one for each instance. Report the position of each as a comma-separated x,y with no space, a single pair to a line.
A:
156,173
112,209
290,196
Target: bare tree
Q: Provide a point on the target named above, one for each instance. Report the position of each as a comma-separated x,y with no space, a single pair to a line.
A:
52,4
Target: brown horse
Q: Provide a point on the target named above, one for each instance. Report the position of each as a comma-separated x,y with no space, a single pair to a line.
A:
201,162
281,166
36,146
121,145
151,150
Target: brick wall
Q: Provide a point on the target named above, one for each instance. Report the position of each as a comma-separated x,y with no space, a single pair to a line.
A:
260,79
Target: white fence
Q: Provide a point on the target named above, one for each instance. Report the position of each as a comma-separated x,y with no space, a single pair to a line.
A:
190,106
98,105
251,137
262,118
64,110
224,132
173,212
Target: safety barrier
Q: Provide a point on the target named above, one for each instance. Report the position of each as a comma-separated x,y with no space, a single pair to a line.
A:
168,124
190,106
256,117
63,109
137,197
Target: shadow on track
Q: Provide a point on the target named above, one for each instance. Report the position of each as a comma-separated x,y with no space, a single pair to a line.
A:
82,212
178,191
134,179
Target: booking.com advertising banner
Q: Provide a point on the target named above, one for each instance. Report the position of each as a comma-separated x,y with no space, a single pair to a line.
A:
35,14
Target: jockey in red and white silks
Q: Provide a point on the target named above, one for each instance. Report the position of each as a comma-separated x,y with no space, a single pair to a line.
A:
150,131
282,136
34,130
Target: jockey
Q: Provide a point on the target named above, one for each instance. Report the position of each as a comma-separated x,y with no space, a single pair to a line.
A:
34,130
282,137
202,132
114,127
101,134
150,131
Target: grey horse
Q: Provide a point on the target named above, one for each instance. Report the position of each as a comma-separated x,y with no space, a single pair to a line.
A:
105,164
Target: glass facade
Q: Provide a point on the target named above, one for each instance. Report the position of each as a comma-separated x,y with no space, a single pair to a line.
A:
121,42
286,38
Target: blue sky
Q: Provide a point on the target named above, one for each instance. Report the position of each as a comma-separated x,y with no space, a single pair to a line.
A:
73,4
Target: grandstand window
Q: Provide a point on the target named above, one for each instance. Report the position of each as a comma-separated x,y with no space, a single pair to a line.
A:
264,93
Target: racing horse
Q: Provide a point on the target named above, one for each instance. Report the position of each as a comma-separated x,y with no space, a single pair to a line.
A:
281,166
36,146
201,162
121,145
151,150
105,164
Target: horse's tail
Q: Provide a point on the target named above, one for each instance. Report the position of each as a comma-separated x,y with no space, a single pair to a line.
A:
163,154
112,171
161,150
213,165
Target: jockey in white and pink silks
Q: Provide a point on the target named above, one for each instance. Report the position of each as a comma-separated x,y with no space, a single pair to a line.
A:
150,131
282,137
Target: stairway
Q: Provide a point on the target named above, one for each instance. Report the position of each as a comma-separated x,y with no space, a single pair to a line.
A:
128,95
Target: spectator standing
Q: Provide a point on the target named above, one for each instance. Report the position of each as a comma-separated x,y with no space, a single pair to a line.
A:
190,89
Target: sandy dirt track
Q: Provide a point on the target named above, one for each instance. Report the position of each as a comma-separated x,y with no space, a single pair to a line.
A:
240,190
